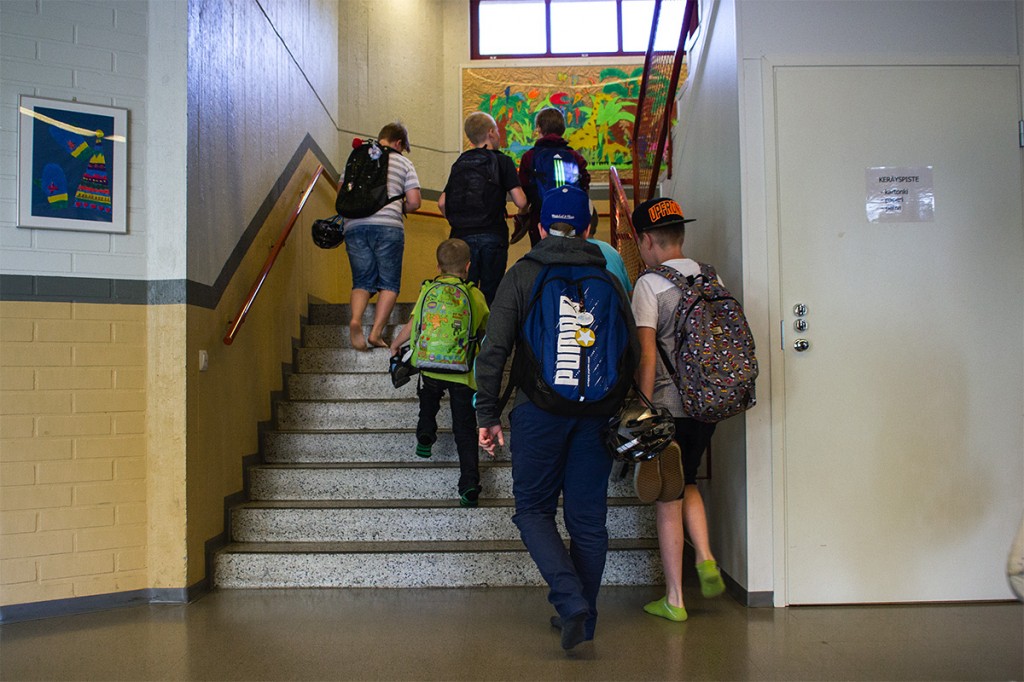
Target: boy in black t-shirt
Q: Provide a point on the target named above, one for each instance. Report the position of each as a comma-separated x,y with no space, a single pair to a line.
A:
474,201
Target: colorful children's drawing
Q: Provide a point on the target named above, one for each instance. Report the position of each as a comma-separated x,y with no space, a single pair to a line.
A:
599,104
72,166
70,151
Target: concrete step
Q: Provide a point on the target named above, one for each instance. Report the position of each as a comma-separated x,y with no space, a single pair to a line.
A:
322,415
340,313
338,335
334,360
394,445
409,521
412,564
424,480
349,386
334,415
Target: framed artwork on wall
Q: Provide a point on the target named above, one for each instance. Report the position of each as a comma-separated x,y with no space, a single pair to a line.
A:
72,166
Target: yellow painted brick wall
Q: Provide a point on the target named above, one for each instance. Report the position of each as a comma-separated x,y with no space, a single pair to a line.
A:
73,518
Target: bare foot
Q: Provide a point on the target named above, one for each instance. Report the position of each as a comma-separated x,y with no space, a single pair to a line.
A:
355,332
378,343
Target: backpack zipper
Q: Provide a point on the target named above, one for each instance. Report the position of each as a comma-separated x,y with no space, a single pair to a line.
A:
583,351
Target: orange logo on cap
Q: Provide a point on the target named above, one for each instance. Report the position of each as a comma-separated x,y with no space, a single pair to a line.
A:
662,209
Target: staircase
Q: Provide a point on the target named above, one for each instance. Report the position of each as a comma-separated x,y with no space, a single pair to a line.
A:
341,500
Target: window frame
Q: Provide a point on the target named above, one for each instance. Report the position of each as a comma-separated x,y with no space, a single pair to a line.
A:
474,38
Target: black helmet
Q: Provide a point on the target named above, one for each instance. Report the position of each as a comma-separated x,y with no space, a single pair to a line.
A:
639,432
328,233
401,368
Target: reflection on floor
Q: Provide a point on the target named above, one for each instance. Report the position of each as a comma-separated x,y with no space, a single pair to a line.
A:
503,634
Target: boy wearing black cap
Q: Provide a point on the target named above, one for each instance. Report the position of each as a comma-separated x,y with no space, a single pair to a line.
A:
670,480
554,453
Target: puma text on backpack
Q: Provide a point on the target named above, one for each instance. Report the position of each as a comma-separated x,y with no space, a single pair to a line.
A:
365,188
713,363
473,197
443,341
553,167
575,356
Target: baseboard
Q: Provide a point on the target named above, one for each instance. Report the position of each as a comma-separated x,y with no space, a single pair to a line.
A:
748,599
100,602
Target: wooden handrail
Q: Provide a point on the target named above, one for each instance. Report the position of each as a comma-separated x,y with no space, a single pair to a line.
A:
233,328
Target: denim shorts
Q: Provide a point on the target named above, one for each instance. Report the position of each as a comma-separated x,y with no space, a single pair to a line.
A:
375,255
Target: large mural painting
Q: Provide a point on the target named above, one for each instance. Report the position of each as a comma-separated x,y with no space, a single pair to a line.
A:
599,104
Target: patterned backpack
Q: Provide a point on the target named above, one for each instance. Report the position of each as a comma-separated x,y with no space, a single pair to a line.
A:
713,363
443,341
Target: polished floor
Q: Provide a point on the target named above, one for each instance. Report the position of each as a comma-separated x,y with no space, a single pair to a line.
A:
503,634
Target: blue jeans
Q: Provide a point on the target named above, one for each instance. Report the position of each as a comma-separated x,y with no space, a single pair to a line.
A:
375,255
554,455
488,258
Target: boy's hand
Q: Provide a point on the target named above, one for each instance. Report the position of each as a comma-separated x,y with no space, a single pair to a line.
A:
491,437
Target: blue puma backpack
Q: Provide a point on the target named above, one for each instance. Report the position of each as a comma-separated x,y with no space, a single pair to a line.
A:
575,356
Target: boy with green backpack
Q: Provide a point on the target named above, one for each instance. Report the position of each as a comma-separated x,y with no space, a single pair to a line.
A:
445,329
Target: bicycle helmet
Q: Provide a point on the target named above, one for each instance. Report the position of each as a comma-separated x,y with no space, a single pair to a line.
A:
401,368
639,432
328,233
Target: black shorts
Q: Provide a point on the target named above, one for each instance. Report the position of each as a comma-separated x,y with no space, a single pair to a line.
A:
693,437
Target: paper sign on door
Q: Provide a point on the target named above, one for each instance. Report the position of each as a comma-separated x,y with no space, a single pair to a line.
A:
897,194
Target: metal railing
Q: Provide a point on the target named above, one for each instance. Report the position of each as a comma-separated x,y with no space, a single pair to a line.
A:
319,173
236,324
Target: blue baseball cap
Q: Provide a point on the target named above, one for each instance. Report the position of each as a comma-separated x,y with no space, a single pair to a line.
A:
566,204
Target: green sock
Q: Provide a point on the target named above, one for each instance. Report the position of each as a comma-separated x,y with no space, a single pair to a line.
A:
423,450
663,609
711,583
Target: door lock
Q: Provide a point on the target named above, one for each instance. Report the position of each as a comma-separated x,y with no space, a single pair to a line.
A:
800,345
800,325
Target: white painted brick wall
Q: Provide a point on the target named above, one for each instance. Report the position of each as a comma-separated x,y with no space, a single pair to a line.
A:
95,51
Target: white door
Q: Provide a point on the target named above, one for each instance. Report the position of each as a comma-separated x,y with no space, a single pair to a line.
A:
903,445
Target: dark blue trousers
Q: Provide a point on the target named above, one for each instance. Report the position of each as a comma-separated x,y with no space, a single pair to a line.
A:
552,456
488,257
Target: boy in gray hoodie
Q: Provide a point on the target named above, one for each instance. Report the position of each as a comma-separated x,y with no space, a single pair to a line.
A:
555,454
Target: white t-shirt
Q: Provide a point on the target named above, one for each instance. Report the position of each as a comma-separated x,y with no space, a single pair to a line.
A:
654,305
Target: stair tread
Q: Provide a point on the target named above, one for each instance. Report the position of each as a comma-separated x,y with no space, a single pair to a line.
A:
422,464
418,546
500,502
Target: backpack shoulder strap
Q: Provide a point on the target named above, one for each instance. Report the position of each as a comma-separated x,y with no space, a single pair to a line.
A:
387,164
708,272
671,274
674,276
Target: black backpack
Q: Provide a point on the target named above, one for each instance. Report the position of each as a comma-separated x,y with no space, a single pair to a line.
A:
365,189
473,197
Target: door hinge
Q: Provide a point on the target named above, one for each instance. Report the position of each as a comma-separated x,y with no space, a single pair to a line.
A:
1020,132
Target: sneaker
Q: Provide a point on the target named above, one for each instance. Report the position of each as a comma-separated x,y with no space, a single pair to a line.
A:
663,609
711,583
574,630
647,480
469,497
423,445
670,463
